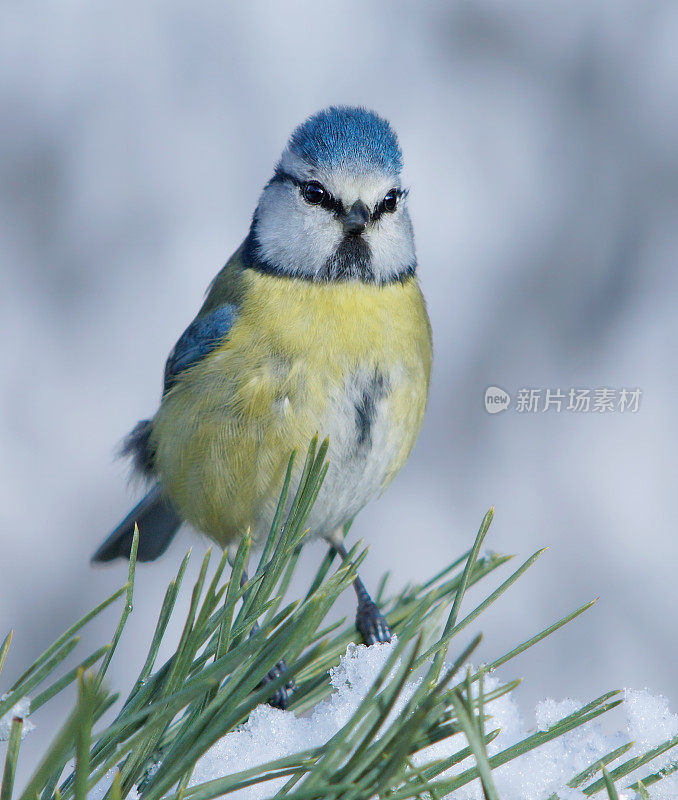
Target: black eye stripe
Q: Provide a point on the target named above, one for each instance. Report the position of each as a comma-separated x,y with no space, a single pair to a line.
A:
381,208
331,203
328,202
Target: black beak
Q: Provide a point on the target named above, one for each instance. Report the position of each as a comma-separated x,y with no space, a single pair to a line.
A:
357,218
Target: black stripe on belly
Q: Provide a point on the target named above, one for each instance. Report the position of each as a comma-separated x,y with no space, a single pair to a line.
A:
374,390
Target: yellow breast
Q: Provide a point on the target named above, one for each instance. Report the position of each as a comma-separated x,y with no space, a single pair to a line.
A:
296,362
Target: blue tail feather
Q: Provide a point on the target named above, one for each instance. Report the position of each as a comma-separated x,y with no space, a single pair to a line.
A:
158,523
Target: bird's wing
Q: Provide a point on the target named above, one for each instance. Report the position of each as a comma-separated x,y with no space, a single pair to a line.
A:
215,319
201,337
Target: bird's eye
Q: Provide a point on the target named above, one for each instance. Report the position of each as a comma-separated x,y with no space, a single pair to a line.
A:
391,201
313,192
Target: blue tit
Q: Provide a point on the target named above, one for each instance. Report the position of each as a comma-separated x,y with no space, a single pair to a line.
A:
315,325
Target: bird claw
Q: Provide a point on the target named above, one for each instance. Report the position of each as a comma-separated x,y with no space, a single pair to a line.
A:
282,695
371,623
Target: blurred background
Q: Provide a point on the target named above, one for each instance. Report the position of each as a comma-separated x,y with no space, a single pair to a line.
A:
540,147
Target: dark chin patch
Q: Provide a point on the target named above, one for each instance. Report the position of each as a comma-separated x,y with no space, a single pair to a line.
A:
351,260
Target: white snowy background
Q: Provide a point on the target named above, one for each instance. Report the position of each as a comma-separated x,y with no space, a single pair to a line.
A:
540,146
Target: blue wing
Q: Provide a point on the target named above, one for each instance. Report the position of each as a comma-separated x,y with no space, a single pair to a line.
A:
201,337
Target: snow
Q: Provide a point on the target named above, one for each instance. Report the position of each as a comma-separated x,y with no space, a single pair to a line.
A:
649,718
20,709
271,734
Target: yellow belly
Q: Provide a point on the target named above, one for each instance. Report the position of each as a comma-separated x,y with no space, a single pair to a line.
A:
299,360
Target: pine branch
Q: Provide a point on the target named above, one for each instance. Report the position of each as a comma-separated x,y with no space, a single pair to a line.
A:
175,712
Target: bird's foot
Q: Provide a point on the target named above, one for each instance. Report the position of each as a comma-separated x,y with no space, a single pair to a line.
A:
281,697
371,623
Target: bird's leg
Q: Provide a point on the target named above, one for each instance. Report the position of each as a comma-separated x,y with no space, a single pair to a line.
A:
369,621
281,697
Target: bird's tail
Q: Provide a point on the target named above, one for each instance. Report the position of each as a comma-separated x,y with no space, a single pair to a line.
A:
158,522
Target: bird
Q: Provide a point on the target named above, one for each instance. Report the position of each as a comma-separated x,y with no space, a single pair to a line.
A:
315,326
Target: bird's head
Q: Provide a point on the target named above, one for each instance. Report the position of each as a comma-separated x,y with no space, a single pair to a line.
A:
335,208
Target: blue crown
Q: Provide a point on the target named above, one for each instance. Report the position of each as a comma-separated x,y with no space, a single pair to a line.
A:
343,136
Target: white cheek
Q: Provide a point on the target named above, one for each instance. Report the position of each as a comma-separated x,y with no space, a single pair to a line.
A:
294,237
392,247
